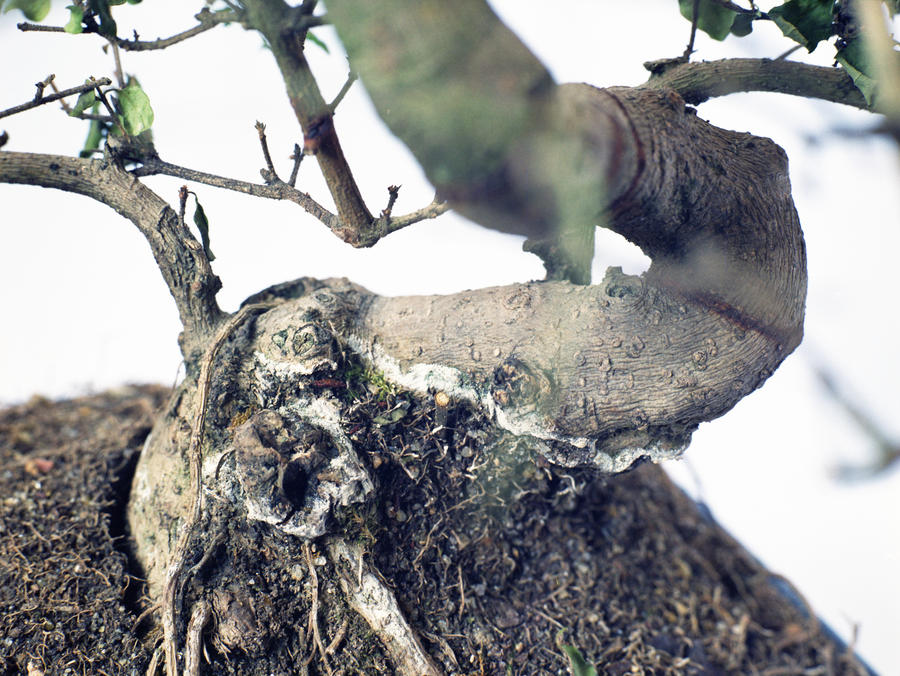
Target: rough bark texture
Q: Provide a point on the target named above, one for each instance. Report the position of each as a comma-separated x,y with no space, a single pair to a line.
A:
424,470
698,82
578,376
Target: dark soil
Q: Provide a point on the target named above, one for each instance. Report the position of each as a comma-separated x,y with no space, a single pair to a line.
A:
68,602
497,560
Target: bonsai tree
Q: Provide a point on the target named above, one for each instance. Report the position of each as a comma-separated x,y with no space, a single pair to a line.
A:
423,484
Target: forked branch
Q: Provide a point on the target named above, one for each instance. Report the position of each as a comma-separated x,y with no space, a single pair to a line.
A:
277,189
178,254
284,28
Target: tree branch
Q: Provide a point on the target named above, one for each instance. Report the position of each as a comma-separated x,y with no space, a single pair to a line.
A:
180,257
207,20
474,98
40,99
279,190
630,363
698,82
285,28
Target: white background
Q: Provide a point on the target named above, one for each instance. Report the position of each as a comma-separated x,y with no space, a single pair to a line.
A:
83,307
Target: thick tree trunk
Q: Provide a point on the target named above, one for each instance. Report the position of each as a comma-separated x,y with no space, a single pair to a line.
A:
418,485
536,375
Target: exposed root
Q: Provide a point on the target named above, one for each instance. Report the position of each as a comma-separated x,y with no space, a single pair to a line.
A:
174,577
375,602
314,610
194,640
153,667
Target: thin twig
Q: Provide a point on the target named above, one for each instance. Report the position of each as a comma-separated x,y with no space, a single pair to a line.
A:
279,24
106,104
297,157
351,78
43,84
269,175
120,74
786,54
174,579
207,19
278,190
26,27
393,194
80,89
690,47
385,226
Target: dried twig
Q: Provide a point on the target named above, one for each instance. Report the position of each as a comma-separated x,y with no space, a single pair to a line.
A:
351,78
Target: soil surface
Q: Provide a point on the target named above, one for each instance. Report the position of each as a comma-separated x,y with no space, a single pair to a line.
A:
68,601
499,563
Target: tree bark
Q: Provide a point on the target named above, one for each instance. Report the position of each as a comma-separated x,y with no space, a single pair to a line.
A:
321,413
577,376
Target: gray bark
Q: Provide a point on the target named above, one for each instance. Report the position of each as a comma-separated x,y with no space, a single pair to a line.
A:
596,376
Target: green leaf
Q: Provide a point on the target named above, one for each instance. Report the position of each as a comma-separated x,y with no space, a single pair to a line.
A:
742,24
76,14
316,41
579,666
805,21
712,18
107,23
135,112
854,57
202,224
85,100
34,10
